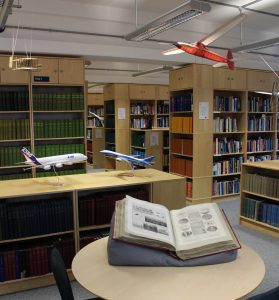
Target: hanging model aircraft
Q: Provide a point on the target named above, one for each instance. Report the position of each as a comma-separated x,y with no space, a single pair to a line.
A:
51,161
101,119
130,159
199,48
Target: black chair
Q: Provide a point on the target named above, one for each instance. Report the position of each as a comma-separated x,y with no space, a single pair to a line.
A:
61,276
269,295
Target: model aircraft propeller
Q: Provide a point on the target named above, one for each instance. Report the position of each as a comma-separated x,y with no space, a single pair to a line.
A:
199,48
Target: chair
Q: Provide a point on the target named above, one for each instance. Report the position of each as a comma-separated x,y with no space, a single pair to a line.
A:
273,294
61,276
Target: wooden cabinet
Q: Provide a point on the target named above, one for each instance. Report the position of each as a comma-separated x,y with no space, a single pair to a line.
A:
42,214
162,92
59,71
260,197
181,78
141,92
229,79
94,99
260,80
9,75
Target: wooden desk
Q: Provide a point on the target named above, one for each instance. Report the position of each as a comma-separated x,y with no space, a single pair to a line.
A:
224,281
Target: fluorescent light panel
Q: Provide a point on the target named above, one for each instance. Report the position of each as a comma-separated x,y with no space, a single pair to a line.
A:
156,70
185,12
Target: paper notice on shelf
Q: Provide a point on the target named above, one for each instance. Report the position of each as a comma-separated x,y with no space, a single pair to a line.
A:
203,110
154,138
98,133
121,113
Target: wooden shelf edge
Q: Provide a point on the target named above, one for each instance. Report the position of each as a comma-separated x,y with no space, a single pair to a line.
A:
262,227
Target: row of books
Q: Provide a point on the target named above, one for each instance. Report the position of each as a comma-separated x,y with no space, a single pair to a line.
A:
32,261
48,95
58,149
14,129
163,108
226,187
259,144
142,109
252,158
97,110
60,172
181,166
10,156
227,103
109,122
94,122
181,145
260,211
226,124
142,123
52,104
98,209
181,125
138,139
19,218
14,101
15,176
58,128
226,146
263,123
163,121
109,107
182,102
259,184
228,166
259,104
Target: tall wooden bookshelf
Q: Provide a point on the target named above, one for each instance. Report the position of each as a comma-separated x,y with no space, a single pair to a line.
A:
35,214
44,111
223,110
95,138
260,196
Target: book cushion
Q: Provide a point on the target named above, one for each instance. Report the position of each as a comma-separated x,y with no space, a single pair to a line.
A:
124,254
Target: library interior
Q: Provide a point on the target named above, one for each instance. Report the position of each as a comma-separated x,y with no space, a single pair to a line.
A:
171,106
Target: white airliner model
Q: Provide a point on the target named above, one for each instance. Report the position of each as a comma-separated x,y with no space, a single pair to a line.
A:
51,161
130,159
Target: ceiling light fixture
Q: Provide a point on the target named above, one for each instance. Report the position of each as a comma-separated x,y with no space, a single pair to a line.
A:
185,12
156,70
257,45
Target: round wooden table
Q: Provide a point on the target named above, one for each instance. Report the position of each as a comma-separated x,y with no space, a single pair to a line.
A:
231,280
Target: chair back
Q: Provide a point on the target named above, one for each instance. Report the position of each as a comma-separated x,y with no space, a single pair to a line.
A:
60,274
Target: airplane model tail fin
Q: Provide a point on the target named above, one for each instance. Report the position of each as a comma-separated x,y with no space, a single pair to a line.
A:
229,58
149,160
30,158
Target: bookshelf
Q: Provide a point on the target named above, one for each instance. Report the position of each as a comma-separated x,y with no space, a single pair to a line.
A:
35,214
95,139
42,110
259,196
240,126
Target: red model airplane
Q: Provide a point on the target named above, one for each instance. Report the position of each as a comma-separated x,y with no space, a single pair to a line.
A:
199,48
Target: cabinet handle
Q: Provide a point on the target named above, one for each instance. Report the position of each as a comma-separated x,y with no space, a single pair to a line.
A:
55,71
61,71
3,69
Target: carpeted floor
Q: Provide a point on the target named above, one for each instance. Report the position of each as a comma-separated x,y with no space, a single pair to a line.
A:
267,247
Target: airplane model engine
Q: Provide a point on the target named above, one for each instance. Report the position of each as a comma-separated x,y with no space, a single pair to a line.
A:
47,167
59,165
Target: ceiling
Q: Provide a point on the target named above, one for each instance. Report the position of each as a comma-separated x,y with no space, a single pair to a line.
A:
95,29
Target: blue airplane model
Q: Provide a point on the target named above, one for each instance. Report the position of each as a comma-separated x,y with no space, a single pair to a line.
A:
130,159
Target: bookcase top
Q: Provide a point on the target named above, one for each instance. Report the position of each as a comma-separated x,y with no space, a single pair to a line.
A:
100,180
266,164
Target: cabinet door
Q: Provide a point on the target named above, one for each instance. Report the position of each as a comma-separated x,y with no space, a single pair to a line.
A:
48,72
12,76
135,91
95,99
71,71
162,92
260,81
147,92
229,79
181,78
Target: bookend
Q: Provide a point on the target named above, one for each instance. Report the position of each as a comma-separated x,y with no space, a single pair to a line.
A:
126,254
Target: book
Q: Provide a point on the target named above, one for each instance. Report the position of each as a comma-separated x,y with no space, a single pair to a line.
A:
190,232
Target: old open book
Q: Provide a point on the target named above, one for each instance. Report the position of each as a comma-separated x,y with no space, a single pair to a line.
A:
189,232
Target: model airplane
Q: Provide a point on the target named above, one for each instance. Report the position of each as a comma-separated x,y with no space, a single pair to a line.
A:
199,48
130,159
51,161
101,119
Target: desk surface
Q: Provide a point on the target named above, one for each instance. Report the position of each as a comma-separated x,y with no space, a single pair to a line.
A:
224,281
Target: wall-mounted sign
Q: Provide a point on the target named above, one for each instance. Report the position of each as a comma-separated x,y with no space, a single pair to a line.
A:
41,78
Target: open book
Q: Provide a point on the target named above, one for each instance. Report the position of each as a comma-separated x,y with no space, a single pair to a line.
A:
189,232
